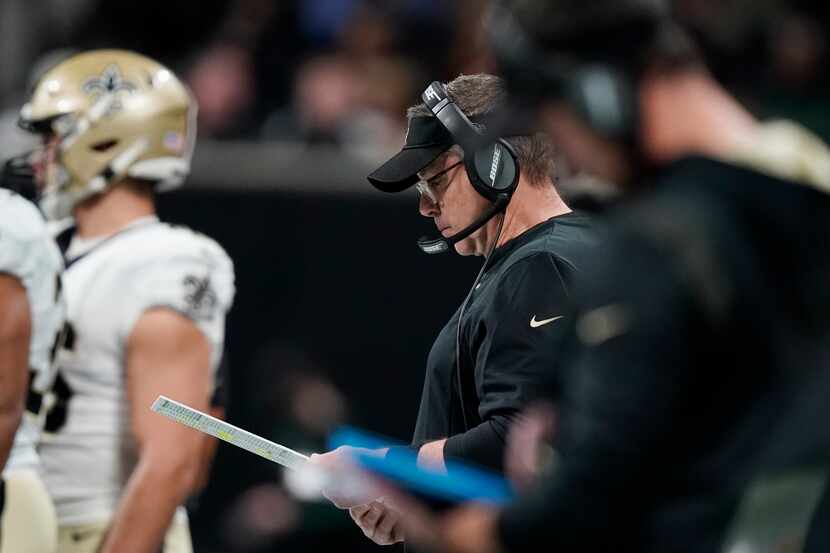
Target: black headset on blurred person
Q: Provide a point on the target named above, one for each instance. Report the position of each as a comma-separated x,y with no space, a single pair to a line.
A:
491,165
599,82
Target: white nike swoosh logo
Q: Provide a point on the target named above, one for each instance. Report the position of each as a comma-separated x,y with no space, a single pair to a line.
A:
536,324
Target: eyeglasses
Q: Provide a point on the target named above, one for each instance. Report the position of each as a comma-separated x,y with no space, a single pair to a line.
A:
432,186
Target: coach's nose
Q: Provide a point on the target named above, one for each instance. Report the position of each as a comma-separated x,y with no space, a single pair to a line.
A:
427,206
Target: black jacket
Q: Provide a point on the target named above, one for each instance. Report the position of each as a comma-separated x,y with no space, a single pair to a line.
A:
700,366
510,338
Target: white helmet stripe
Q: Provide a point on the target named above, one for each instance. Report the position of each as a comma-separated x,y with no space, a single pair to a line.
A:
122,161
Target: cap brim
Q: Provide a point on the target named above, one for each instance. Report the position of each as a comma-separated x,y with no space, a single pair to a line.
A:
401,172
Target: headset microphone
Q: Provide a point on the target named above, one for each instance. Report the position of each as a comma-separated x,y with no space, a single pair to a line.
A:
441,244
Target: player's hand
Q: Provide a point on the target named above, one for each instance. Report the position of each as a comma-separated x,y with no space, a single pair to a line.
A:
379,522
347,486
528,452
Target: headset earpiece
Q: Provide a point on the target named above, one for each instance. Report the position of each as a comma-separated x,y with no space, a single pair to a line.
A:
491,163
493,169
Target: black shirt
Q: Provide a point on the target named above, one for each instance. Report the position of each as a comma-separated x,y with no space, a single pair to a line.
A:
509,341
701,365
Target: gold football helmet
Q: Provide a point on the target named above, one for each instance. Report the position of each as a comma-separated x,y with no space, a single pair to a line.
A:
107,115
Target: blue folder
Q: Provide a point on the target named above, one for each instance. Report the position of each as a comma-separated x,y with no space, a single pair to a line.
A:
461,482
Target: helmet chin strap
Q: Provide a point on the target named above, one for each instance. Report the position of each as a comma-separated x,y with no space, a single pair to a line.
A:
57,204
441,244
117,168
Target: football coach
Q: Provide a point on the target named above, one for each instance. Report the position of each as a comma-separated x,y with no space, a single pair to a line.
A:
497,199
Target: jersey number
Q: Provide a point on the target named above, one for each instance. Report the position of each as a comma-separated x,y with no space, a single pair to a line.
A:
61,392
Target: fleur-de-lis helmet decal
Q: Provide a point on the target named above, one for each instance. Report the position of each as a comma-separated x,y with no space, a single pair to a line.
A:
108,82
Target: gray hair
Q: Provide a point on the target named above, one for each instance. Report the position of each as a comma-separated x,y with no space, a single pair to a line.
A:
483,94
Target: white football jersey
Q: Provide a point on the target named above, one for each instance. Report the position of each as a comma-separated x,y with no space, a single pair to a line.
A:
28,252
89,454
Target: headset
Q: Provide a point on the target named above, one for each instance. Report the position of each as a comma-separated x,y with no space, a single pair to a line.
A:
601,86
491,164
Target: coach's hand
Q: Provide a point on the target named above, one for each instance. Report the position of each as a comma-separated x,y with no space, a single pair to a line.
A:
381,523
348,486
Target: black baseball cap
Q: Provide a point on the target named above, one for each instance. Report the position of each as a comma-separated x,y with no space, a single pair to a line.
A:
426,139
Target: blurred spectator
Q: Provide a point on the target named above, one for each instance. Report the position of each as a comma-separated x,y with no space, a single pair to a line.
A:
343,102
222,81
325,93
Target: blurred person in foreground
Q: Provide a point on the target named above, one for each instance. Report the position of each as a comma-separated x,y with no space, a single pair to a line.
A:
499,201
31,316
699,369
146,301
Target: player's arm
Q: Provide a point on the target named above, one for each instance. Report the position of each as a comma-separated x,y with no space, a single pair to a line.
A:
166,354
209,443
15,334
207,451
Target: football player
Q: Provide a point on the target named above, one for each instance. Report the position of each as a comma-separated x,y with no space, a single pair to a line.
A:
31,315
146,301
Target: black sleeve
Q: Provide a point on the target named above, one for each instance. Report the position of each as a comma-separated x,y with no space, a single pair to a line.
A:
516,349
627,387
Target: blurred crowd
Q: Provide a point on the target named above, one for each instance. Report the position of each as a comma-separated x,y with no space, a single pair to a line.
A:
343,71
322,71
